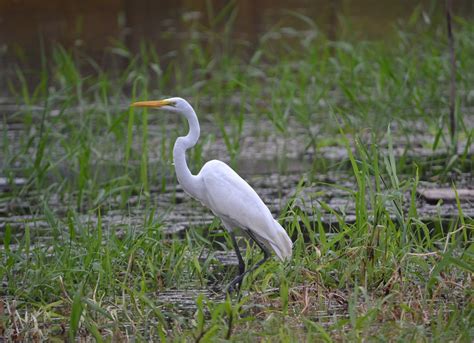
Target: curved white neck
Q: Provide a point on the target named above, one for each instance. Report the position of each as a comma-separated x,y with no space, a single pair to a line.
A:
188,181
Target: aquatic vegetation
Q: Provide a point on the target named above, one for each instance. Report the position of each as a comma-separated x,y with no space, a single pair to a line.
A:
94,232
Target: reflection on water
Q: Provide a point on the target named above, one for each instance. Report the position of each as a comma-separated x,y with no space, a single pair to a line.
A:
95,24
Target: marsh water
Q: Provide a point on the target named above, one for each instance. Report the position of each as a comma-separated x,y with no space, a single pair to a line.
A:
278,166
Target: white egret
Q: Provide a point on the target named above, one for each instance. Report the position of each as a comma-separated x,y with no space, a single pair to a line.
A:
218,187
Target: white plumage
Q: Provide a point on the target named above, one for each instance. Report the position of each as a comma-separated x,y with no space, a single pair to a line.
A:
221,189
231,198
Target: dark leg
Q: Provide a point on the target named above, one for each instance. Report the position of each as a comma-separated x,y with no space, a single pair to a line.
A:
239,278
266,252
237,251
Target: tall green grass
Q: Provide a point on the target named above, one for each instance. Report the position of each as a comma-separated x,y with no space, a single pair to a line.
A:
85,153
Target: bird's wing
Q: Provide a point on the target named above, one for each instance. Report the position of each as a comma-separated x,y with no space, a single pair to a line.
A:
231,197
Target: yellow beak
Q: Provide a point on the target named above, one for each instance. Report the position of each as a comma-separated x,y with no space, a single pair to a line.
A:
154,103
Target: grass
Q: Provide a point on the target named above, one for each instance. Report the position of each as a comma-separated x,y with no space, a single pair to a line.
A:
86,252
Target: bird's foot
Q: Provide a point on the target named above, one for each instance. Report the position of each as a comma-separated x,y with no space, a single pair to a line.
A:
234,285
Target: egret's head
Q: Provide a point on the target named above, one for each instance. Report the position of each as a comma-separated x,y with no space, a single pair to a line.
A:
171,104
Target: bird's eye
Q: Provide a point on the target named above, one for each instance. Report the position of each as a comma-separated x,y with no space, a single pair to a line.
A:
172,103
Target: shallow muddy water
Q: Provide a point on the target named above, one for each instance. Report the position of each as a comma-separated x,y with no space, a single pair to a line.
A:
273,164
177,212
95,169
274,177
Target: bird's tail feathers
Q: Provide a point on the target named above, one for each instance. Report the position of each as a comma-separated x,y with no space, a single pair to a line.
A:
282,244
